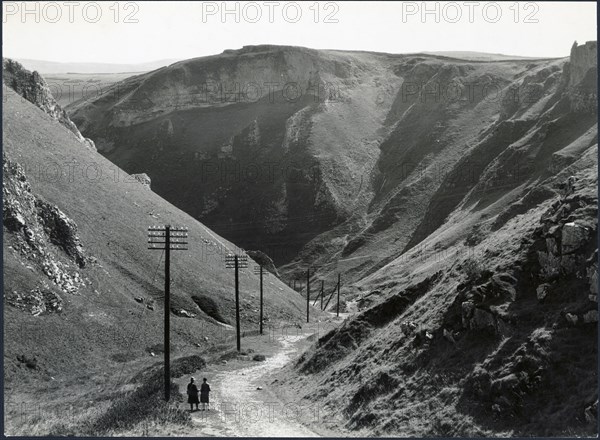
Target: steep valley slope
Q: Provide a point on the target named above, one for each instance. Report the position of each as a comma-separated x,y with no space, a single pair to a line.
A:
457,197
83,295
336,160
268,145
486,321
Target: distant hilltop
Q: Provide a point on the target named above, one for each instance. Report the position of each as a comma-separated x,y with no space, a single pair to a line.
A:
46,67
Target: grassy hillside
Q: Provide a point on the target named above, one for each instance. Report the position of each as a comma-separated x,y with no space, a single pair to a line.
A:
83,294
470,339
456,197
485,322
454,143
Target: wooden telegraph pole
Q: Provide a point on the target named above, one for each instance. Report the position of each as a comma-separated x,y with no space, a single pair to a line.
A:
258,270
322,292
320,295
236,262
338,295
307,294
167,238
329,299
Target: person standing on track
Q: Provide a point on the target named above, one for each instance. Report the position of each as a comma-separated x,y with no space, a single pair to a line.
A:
192,391
204,391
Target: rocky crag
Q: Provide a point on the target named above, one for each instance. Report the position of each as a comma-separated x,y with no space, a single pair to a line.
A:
43,239
32,87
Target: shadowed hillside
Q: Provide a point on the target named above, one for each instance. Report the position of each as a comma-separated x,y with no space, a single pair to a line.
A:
339,160
268,145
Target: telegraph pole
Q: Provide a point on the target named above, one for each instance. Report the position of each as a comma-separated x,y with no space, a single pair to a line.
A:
167,238
322,292
167,325
261,300
319,295
338,295
237,305
235,262
258,270
330,297
307,294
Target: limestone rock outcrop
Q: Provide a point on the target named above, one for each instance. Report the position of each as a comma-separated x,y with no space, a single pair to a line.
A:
43,238
583,58
34,88
264,260
581,75
143,178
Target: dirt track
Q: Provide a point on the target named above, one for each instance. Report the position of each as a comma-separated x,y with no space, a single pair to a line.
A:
239,409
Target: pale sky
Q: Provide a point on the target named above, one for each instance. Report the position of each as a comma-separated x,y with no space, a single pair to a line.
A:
107,32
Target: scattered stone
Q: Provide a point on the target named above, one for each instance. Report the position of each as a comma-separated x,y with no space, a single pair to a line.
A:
139,299
542,291
224,362
550,265
482,319
143,178
554,231
551,245
422,337
408,327
264,260
592,274
149,306
182,313
570,262
30,362
90,144
152,353
591,316
572,319
591,412
574,236
448,335
467,312
61,230
259,388
38,301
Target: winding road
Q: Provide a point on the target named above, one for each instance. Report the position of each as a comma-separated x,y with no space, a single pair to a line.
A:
241,403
